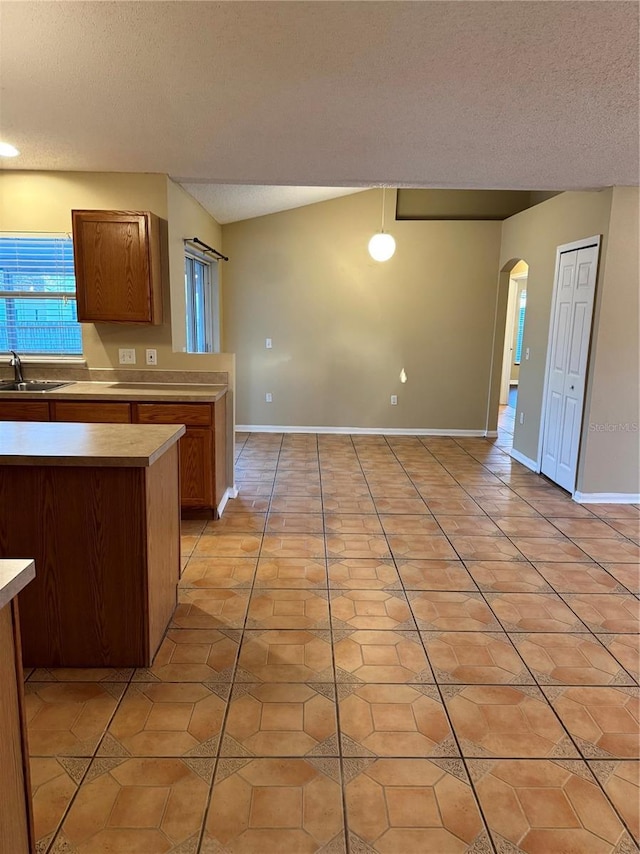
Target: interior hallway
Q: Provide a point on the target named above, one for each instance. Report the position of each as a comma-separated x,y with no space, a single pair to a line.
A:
387,644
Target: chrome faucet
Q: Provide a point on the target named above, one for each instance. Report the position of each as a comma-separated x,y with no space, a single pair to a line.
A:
16,364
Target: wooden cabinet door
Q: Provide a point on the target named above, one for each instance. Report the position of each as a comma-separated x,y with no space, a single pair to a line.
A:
196,468
24,410
115,271
92,413
15,804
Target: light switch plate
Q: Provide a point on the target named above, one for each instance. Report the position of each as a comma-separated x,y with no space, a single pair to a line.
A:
127,356
268,343
268,397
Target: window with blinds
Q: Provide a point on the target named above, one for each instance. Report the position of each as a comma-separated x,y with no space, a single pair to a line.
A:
38,295
522,307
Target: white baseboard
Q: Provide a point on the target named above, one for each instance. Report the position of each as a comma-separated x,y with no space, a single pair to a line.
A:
491,434
606,497
526,461
231,492
366,431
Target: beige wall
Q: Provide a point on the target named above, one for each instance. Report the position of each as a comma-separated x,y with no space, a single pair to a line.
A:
533,236
461,204
344,326
610,455
187,218
43,201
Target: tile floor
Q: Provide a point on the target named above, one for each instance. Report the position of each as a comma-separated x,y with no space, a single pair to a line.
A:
398,645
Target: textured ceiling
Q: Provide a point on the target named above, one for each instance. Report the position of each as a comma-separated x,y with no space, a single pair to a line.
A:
521,95
233,202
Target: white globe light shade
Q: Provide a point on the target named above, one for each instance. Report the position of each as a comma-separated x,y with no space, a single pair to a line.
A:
7,150
382,246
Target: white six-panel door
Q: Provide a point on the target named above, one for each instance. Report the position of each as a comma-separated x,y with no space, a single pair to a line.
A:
567,366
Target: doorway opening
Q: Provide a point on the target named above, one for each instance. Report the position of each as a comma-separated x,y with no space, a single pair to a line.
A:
513,347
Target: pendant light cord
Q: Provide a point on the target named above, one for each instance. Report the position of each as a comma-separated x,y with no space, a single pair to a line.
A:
384,189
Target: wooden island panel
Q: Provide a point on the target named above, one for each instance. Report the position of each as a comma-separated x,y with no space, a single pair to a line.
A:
106,541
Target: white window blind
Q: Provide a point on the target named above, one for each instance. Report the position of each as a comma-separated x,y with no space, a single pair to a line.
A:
201,289
38,295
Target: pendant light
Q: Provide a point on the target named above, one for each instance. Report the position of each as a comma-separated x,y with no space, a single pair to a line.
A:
382,245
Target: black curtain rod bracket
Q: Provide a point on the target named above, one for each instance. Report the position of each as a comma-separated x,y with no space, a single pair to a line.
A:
207,248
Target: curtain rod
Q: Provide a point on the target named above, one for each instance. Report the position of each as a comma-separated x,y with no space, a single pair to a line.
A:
196,240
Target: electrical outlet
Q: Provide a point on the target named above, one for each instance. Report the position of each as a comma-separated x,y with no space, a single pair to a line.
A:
127,356
394,400
268,343
522,418
268,397
152,357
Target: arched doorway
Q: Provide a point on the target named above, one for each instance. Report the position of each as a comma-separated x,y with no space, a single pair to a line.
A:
513,352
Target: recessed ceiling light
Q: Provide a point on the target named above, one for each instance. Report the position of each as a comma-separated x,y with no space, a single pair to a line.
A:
7,150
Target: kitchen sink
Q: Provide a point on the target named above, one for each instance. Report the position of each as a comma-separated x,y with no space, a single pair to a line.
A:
33,385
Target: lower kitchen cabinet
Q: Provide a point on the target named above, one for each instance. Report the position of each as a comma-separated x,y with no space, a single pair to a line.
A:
203,462
91,413
24,410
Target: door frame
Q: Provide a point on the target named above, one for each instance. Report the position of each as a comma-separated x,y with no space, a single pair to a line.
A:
596,240
509,338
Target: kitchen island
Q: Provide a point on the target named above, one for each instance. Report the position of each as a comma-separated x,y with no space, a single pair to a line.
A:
98,508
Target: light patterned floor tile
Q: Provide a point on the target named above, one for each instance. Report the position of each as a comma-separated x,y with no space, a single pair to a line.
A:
291,572
363,574
293,545
295,523
370,609
435,575
380,656
627,574
451,611
219,572
626,649
569,659
288,609
273,806
210,608
193,655
69,718
621,782
393,720
607,613
228,545
578,578
54,782
604,721
167,719
533,612
485,548
137,805
281,719
352,523
411,806
610,551
482,658
285,656
504,576
546,807
505,721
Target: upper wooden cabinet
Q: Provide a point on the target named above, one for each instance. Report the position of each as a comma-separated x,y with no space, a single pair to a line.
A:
118,266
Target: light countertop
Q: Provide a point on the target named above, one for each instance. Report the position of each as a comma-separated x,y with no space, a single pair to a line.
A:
49,443
14,575
148,392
